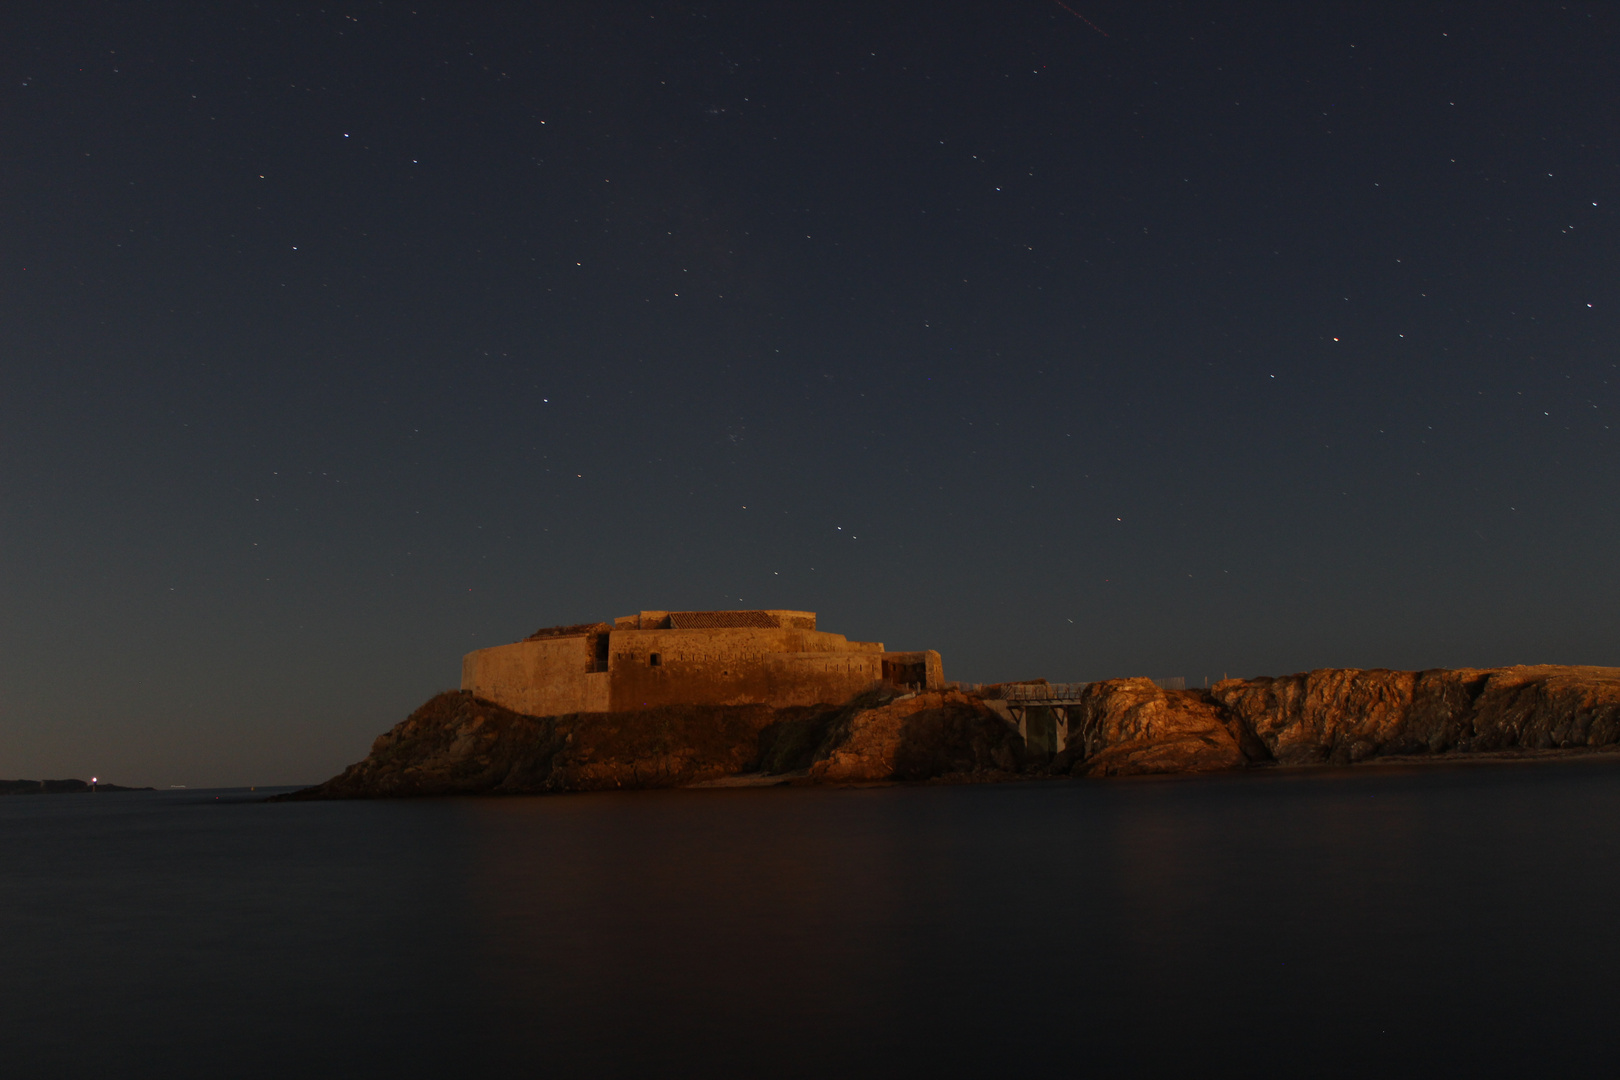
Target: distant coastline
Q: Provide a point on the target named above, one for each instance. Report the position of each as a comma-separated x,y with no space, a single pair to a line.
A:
60,787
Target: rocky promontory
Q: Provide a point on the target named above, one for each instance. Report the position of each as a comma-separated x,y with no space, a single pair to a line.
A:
458,744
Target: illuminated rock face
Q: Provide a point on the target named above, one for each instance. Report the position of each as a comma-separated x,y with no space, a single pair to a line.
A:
1341,716
459,744
467,744
775,658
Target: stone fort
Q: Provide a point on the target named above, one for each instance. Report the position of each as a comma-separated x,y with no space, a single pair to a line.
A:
775,658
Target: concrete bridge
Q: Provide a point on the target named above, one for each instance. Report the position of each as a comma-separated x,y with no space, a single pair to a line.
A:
1040,711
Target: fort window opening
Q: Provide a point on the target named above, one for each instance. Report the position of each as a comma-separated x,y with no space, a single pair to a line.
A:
655,660
905,672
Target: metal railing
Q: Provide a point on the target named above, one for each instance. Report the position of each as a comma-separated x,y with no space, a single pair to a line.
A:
1057,691
1048,691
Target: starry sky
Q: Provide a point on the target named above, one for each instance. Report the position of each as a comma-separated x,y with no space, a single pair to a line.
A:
1124,338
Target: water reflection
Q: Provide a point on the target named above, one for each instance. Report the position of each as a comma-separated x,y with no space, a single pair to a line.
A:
713,926
1364,923
958,929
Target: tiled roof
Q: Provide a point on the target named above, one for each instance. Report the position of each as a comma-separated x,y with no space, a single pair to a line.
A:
722,620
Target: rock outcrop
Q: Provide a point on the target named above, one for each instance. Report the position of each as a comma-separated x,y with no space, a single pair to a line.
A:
1341,716
1125,726
460,744
457,744
916,737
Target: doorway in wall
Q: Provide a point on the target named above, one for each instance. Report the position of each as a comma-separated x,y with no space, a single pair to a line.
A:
598,644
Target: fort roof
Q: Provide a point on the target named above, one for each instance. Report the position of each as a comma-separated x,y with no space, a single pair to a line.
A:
717,620
721,620
687,620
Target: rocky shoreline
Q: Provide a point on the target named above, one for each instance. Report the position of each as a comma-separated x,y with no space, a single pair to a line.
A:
457,744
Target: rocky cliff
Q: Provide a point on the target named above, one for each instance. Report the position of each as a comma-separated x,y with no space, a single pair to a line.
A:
459,744
1341,716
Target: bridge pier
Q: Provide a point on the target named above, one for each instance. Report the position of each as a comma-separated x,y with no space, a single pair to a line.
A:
1043,725
1040,712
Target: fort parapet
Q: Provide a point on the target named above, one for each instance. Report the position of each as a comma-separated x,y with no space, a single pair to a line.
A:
775,658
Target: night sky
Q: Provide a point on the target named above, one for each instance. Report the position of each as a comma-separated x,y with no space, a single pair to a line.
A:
338,341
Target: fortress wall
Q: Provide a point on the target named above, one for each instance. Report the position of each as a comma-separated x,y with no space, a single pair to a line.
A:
735,666
778,679
635,646
547,677
655,620
821,678
798,620
790,663
821,641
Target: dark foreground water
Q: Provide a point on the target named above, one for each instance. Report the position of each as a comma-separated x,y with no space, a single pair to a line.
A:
1459,922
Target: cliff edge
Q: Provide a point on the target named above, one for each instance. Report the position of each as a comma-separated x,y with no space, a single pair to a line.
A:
1341,716
458,744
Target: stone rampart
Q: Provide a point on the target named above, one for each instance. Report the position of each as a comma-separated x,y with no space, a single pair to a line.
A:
544,677
656,658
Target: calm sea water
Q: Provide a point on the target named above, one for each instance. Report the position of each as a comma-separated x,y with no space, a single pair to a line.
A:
1456,922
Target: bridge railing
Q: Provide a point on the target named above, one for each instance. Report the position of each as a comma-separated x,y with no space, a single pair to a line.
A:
1042,691
1048,691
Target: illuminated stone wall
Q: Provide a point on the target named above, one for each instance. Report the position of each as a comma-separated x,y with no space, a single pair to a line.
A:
774,658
